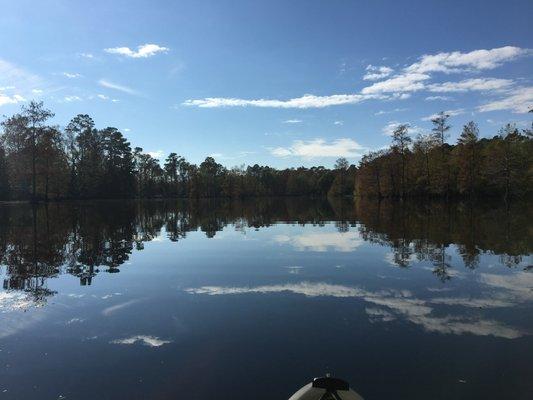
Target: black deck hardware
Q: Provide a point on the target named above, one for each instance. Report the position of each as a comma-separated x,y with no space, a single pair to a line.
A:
332,385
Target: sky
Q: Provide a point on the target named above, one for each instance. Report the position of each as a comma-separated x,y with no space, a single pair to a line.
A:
283,83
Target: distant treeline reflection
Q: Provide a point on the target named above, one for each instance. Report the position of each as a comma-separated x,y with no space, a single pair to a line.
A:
85,239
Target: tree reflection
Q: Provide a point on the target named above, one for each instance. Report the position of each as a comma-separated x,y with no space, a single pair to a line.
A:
84,239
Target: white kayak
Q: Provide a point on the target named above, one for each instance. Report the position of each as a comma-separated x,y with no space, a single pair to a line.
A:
326,388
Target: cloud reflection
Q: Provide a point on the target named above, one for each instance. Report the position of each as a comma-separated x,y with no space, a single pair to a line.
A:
150,341
320,242
113,309
392,304
10,301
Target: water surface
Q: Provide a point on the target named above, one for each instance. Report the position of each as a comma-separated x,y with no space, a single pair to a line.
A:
242,300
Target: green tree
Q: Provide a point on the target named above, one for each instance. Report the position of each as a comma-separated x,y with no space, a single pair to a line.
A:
80,126
91,162
338,187
4,178
117,164
52,163
172,172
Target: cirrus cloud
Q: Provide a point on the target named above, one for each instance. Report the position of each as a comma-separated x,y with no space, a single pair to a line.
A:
115,86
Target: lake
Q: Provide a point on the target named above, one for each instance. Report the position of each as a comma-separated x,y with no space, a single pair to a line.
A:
250,300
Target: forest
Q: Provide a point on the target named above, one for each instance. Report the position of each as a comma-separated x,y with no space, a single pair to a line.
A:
42,162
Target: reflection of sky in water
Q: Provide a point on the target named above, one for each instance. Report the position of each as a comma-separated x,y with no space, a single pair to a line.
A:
186,301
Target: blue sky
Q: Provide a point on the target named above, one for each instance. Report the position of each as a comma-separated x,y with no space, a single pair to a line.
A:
284,83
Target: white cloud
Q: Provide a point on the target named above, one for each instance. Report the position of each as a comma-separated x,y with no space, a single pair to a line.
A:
320,242
434,98
235,156
158,154
476,60
392,125
413,78
143,51
292,121
70,99
294,269
406,82
343,147
16,83
338,123
14,99
37,91
74,321
377,72
71,75
382,112
121,88
451,113
281,152
150,341
102,96
306,101
518,101
86,55
481,84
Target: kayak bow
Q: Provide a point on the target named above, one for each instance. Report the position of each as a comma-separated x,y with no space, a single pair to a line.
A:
326,388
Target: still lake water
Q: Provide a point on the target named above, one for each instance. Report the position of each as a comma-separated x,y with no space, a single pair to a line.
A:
218,300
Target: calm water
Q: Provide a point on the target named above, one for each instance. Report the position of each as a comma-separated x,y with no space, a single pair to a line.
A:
159,300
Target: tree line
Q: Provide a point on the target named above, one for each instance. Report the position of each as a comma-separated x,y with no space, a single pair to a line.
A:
41,162
428,166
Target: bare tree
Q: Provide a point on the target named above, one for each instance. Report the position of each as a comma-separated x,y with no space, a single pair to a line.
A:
401,141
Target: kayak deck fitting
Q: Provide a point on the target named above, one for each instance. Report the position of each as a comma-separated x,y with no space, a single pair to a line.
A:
326,388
